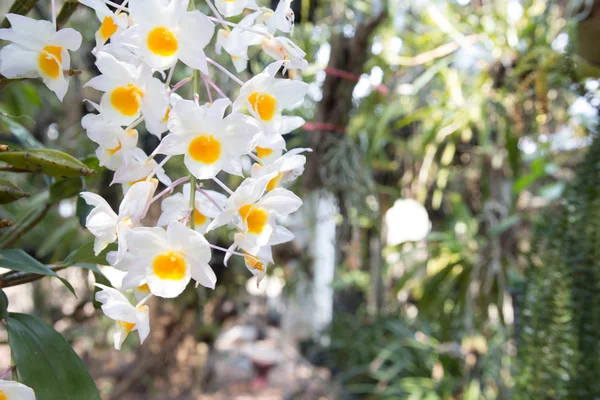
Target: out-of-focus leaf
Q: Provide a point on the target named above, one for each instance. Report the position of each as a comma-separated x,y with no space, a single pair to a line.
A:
65,12
18,260
82,211
3,305
538,167
21,133
85,254
505,224
65,188
552,191
46,362
10,192
20,7
50,162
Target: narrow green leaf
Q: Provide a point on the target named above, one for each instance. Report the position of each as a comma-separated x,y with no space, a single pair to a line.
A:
20,132
85,255
10,192
21,7
3,305
50,162
65,188
18,260
65,12
46,362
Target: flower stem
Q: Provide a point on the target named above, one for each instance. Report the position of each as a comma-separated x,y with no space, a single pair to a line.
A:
217,14
193,200
225,71
223,22
224,186
53,5
209,81
170,188
180,84
237,253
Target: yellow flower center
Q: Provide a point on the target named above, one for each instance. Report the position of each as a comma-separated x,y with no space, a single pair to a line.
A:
166,117
273,183
49,61
205,149
199,218
128,326
114,150
126,99
170,265
263,104
108,28
144,288
162,41
254,217
262,152
254,263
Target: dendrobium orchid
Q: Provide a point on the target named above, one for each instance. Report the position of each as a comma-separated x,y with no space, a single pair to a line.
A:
107,226
130,92
166,260
209,141
127,317
38,51
265,97
208,204
141,46
11,390
111,22
164,32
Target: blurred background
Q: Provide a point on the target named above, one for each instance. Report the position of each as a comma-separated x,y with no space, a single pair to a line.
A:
448,244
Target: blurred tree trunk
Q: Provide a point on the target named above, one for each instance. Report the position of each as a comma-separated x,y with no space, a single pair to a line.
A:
348,57
588,30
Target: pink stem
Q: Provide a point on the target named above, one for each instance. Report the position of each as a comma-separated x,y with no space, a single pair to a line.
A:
180,84
170,188
225,71
214,86
210,99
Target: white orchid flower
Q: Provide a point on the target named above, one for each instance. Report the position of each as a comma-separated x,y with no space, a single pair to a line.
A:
164,32
11,390
230,8
287,167
166,260
177,207
209,142
111,22
38,51
107,226
129,92
127,317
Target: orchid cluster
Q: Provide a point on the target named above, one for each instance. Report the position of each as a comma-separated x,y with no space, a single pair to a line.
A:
138,46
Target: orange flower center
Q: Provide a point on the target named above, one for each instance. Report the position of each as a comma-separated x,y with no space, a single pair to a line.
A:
127,99
255,218
50,60
170,265
263,104
162,41
263,152
128,326
205,149
108,28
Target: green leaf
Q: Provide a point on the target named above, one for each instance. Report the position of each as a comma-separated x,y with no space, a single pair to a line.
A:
3,305
20,7
65,12
18,260
46,362
82,211
21,133
504,225
103,280
65,188
85,255
10,192
50,162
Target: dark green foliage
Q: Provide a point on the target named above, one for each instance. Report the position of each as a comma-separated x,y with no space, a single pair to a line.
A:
559,341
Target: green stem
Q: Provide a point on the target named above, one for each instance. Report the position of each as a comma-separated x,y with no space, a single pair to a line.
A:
192,200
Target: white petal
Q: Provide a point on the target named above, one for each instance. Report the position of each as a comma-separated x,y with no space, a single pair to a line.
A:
18,62
136,202
280,201
68,38
167,288
144,242
204,275
143,322
288,92
59,85
16,391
